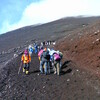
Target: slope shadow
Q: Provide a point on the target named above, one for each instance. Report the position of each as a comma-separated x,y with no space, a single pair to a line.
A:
64,66
36,71
67,71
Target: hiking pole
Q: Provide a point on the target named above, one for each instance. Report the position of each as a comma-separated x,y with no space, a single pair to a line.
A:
20,67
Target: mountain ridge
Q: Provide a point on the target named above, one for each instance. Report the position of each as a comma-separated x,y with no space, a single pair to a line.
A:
55,28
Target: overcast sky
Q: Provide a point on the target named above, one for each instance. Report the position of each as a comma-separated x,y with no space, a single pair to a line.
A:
18,13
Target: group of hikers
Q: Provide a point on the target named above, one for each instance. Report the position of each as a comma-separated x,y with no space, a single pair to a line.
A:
49,59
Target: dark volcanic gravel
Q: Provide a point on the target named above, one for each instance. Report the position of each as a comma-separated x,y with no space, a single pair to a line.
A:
73,84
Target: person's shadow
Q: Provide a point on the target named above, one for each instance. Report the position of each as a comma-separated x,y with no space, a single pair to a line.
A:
64,69
35,71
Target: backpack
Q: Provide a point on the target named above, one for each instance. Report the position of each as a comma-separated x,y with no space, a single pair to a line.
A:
46,55
61,55
26,57
56,57
31,49
40,52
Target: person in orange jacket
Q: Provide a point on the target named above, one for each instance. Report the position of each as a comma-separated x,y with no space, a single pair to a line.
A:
26,59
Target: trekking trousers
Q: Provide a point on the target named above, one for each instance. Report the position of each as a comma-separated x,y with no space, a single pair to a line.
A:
26,66
41,66
47,67
57,67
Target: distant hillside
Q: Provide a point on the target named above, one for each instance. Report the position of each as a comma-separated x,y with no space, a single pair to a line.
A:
49,31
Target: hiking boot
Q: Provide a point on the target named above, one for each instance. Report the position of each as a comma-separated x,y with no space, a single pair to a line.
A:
55,72
41,72
58,74
45,73
23,70
27,72
49,71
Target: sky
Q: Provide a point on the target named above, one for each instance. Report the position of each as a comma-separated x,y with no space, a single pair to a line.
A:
15,14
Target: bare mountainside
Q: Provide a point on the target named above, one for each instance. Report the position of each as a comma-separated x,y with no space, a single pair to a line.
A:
78,39
53,30
83,47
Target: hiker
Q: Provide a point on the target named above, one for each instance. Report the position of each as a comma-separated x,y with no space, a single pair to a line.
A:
56,63
45,61
36,48
61,56
26,59
41,47
51,52
30,48
39,53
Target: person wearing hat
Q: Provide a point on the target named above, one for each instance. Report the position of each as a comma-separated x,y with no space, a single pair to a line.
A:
26,59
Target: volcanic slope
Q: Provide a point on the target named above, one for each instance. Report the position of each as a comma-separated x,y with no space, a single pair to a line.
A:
73,84
79,78
83,47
